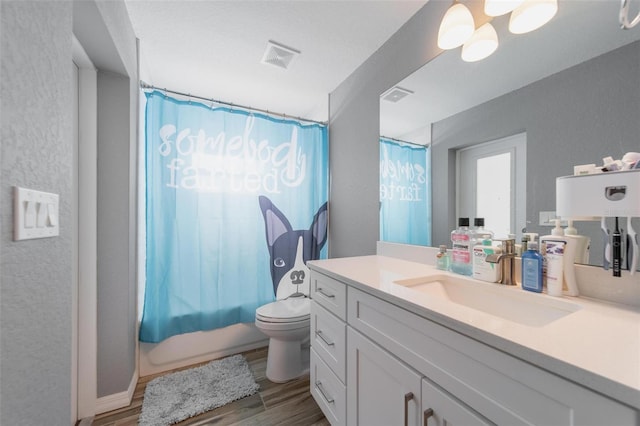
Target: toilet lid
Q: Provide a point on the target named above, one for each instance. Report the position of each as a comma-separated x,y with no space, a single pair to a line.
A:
287,310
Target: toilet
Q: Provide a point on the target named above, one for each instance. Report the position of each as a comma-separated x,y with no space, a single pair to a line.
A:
286,322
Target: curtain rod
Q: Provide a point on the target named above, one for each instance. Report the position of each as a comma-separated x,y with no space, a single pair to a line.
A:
407,142
144,85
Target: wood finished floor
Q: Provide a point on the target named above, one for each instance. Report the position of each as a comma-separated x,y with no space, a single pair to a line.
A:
282,404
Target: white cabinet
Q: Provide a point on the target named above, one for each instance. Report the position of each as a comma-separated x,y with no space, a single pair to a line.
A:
441,409
496,385
374,363
382,390
328,346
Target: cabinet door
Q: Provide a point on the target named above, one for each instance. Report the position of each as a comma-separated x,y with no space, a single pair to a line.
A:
441,409
382,390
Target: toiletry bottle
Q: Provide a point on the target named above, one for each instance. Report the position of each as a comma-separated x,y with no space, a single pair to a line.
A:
554,266
443,260
483,270
461,254
524,244
532,268
583,243
479,232
559,254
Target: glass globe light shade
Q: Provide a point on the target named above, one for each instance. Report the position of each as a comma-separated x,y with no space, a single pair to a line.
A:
482,43
500,7
531,15
456,27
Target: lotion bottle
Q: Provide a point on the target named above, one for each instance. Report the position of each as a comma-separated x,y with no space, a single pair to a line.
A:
582,243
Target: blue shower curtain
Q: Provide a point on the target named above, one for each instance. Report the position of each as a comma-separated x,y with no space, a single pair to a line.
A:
209,172
405,193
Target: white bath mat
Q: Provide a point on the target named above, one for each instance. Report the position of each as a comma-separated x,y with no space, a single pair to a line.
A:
178,396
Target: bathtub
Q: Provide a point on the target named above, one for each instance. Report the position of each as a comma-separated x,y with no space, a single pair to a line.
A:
201,346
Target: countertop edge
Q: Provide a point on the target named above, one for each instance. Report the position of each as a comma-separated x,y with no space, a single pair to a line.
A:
585,378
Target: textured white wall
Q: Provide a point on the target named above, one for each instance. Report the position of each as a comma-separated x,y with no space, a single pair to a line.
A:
36,152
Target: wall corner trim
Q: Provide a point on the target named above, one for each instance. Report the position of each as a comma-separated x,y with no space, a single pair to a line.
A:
117,400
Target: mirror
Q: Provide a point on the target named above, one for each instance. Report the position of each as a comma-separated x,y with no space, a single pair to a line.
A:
572,86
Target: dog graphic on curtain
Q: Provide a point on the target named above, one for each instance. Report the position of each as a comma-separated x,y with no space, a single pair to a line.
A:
289,249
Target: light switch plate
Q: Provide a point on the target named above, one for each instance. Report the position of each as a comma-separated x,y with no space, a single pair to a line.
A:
35,214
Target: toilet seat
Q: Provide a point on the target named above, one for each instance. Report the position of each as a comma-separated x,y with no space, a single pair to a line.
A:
294,309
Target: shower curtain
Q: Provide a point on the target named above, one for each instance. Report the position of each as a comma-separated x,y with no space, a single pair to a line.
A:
209,173
405,193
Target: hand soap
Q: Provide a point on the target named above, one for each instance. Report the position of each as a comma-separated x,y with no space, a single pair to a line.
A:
532,268
582,243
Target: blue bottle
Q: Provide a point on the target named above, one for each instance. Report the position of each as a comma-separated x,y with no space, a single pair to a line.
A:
532,268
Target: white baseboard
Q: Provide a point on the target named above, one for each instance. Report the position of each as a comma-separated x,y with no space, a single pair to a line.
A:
117,400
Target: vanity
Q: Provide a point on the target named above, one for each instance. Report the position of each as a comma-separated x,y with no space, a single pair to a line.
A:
397,342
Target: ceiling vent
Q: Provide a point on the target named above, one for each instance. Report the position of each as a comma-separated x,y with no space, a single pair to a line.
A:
279,55
395,94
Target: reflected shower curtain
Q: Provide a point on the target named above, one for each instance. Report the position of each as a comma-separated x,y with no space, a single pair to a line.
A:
209,171
405,193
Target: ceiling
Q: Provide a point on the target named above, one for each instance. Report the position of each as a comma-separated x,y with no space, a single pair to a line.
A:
580,31
213,49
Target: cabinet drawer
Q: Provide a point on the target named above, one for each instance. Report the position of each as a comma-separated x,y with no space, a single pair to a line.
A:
328,338
500,387
328,391
329,293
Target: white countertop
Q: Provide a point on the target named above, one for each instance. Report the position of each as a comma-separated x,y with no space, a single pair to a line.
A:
597,346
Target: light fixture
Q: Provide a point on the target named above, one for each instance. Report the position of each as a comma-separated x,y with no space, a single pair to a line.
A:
456,27
482,43
531,15
500,7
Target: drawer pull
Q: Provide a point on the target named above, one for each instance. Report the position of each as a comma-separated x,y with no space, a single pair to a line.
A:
324,339
321,390
407,397
427,413
325,294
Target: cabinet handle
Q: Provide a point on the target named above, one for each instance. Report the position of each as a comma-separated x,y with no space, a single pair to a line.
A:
427,413
324,339
321,390
325,294
407,397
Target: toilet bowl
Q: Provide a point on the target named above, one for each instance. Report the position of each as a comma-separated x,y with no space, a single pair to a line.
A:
286,322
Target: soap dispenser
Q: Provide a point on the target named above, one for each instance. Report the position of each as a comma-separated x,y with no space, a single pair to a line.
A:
559,254
582,243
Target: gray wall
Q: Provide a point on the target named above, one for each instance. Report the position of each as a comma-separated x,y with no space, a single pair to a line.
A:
36,152
36,275
105,31
577,116
354,128
116,250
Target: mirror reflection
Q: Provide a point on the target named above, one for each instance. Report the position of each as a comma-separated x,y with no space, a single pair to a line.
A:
564,95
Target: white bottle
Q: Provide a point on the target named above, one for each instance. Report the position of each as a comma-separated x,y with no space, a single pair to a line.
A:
582,244
483,270
559,253
554,265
